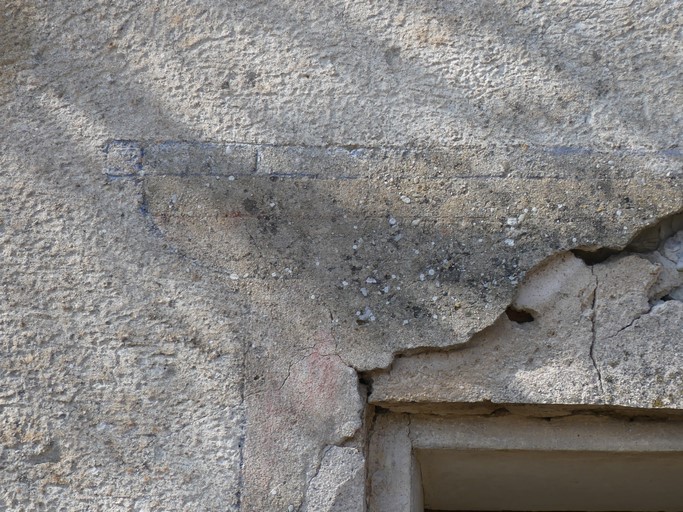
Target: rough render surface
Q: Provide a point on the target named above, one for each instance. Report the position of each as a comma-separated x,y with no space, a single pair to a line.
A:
174,339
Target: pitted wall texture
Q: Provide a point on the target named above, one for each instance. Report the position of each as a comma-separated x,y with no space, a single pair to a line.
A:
213,215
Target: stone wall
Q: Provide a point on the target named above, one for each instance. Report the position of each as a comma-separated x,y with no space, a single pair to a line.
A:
224,225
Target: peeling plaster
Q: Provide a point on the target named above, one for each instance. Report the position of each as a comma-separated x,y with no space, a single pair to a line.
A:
603,295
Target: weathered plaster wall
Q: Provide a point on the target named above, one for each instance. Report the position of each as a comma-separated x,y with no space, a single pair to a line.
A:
204,205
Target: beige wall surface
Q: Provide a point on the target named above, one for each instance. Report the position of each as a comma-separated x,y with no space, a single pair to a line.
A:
221,221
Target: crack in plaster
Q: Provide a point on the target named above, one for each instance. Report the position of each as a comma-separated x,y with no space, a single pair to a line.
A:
302,359
593,314
289,372
319,462
632,322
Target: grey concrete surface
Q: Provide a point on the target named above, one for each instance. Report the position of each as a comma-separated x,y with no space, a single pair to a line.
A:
203,205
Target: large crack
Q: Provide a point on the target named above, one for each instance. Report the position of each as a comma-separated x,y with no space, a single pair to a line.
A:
593,314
